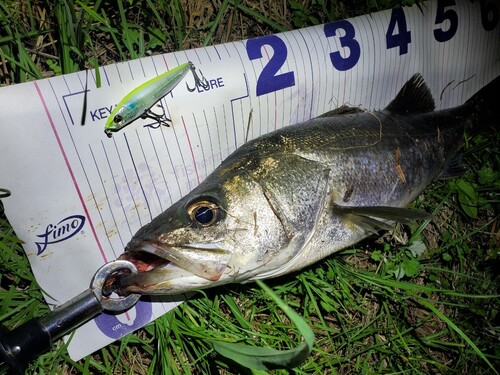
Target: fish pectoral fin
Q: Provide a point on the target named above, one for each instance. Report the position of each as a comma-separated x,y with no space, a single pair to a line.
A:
369,224
453,169
376,218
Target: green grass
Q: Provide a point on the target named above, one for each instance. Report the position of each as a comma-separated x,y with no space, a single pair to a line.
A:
421,300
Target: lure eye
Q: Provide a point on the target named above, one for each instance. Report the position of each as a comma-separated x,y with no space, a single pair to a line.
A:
118,119
204,213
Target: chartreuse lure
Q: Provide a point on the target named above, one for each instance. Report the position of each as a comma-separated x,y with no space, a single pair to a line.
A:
138,103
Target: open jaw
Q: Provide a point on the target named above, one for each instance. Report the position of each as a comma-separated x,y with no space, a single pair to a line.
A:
171,270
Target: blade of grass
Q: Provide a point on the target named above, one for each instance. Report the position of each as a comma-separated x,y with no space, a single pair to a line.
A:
216,23
256,15
178,16
462,334
260,358
66,28
93,12
126,31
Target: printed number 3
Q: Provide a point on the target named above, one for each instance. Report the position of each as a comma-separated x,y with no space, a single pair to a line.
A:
269,80
346,41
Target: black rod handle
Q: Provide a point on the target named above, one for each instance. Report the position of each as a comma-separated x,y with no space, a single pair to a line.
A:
26,342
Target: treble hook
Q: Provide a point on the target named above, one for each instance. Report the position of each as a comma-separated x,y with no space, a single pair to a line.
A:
203,83
161,119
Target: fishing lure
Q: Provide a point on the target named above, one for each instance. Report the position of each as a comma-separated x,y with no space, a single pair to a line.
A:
138,103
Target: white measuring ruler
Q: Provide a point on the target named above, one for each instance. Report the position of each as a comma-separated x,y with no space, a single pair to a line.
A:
78,196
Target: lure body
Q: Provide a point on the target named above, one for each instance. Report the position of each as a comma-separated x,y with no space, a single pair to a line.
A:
139,101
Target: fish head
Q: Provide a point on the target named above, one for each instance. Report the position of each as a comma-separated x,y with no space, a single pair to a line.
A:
223,231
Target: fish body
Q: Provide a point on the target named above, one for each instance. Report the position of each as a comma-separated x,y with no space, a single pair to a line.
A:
294,196
138,102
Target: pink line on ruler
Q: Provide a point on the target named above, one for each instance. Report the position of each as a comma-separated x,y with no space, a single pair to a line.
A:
47,112
191,149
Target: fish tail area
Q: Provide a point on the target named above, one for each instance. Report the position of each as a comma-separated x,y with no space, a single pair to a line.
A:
486,104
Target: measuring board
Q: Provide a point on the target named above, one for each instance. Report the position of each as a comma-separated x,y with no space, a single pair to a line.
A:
79,196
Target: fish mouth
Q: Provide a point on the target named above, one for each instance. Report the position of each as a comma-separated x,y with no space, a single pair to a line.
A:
166,269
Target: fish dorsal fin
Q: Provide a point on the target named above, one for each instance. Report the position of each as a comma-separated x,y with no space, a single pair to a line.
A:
414,97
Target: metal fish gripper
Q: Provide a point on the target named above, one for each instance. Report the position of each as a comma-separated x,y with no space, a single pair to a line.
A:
26,342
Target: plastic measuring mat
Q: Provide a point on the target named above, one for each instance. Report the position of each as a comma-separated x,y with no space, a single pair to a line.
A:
79,196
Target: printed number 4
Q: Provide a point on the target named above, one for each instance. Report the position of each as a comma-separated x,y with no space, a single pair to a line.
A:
402,38
269,80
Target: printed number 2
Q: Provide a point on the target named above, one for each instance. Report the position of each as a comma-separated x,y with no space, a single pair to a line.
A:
403,37
268,80
346,41
443,15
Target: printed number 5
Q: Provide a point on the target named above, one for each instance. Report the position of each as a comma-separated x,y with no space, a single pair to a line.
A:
443,15
268,80
346,41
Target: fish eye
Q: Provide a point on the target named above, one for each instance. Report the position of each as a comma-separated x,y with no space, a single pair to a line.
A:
204,213
118,119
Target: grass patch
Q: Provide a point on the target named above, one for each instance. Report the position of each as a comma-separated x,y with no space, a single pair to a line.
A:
420,300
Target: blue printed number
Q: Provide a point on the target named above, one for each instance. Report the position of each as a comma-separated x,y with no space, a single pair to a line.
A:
346,41
268,80
490,14
441,16
402,38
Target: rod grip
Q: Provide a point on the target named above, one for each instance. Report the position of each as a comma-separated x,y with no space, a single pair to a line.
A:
23,344
26,342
